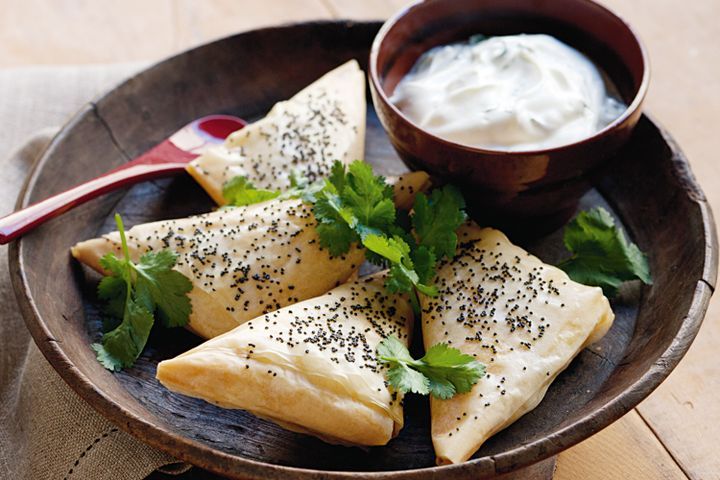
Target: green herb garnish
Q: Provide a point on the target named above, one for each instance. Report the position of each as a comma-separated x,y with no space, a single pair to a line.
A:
443,371
136,293
601,255
356,206
353,205
239,191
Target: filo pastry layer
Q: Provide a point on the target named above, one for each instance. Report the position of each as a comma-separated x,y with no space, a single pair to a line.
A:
322,123
245,261
309,367
525,320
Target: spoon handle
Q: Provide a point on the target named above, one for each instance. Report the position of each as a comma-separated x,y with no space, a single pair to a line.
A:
167,158
15,224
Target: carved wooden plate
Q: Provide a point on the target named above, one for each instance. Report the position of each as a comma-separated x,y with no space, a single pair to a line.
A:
650,190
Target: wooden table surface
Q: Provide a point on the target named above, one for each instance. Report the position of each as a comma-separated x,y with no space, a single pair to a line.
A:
675,433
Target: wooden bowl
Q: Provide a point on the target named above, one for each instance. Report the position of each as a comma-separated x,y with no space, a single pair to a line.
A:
510,184
654,195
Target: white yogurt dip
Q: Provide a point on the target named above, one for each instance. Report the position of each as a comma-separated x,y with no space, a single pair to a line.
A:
515,93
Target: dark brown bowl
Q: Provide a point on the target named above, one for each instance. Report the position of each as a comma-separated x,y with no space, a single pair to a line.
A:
542,183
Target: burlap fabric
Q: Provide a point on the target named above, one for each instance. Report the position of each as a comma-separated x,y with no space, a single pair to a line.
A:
46,430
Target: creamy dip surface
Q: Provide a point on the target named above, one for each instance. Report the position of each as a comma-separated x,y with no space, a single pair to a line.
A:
515,93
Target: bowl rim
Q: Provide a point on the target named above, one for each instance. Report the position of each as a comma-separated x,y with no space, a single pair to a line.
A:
632,108
163,438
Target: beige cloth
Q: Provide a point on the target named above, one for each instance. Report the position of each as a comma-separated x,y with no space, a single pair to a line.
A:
46,430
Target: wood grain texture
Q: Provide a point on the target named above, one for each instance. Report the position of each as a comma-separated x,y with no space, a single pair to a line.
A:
681,37
686,407
684,411
365,10
600,386
88,31
200,22
627,449
84,31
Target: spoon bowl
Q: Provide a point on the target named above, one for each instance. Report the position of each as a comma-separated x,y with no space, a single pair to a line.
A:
170,157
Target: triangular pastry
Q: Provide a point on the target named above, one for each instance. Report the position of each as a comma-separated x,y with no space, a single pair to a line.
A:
245,261
322,123
525,320
309,367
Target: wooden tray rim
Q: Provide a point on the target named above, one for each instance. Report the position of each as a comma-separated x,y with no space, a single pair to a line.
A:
223,463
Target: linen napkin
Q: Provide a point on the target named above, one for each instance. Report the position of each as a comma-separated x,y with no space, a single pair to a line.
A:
46,430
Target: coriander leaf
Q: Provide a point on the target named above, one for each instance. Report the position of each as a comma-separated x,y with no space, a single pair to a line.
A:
355,205
337,176
163,289
436,218
375,259
424,260
121,347
106,359
115,265
336,237
133,292
450,371
402,276
393,249
113,290
362,180
400,279
298,179
429,290
440,388
602,256
393,350
330,206
239,191
301,187
155,262
382,214
443,372
334,223
110,323
367,196
352,205
307,192
393,231
405,379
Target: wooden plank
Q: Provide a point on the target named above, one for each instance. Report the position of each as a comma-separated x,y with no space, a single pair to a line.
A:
83,31
627,449
365,10
684,410
86,31
200,22
682,39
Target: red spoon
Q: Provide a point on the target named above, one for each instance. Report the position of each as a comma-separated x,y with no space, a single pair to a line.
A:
168,158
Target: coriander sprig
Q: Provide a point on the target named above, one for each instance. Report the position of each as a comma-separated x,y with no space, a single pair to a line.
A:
135,294
239,191
356,206
601,255
443,371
